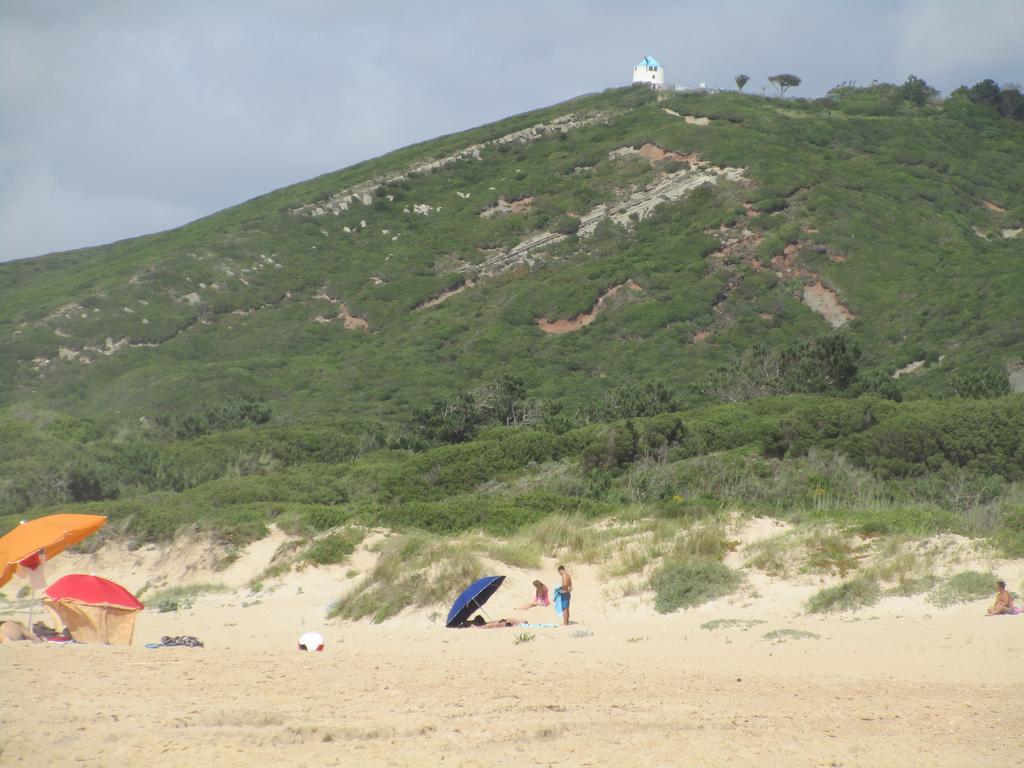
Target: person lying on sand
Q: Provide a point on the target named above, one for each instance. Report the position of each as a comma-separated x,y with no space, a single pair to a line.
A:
1004,601
12,631
539,599
479,622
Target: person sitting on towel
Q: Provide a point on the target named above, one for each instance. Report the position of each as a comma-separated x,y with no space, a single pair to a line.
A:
540,598
1004,601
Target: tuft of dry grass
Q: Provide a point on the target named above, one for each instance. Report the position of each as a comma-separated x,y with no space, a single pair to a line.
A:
569,536
414,569
807,550
904,564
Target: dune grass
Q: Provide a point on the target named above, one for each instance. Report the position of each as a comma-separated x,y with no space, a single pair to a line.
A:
562,535
518,553
743,624
812,548
414,569
684,584
180,598
651,540
963,587
782,635
850,595
334,548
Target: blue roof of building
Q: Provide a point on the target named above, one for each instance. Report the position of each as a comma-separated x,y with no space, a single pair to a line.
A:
649,61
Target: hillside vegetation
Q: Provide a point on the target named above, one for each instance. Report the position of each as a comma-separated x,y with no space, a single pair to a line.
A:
660,306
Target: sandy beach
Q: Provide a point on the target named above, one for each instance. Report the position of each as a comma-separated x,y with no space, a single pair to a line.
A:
901,683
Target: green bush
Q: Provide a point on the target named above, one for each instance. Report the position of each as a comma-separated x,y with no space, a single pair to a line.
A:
179,598
686,583
985,436
850,595
333,549
963,587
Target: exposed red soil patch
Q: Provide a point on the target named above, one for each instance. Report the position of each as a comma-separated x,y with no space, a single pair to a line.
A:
444,295
585,318
993,207
785,263
701,336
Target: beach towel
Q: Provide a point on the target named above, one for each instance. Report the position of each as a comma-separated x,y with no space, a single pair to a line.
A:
560,601
528,625
186,640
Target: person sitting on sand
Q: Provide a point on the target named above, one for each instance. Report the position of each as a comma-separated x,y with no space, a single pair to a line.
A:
1004,601
540,598
12,631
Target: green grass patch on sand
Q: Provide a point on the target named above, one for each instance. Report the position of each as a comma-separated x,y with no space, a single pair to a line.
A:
693,573
414,569
334,548
743,624
963,587
911,587
180,598
684,583
852,594
782,635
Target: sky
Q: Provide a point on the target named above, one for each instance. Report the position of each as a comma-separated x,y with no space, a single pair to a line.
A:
123,118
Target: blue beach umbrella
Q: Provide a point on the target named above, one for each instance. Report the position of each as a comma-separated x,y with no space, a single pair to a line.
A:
472,598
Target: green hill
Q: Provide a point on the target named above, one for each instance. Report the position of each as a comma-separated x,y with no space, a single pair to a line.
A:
619,255
892,208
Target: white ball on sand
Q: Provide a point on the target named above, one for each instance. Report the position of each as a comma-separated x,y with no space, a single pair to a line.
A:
311,641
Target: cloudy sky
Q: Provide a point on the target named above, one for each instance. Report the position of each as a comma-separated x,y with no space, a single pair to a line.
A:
122,118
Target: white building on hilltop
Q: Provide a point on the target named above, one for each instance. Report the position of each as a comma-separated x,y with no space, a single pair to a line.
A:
649,72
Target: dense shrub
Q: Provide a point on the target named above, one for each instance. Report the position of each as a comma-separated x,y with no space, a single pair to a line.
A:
332,549
850,595
963,587
500,515
985,436
686,583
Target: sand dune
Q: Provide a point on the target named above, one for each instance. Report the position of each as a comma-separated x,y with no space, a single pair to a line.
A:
902,683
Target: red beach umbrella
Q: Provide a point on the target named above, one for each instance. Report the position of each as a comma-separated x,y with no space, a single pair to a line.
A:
92,590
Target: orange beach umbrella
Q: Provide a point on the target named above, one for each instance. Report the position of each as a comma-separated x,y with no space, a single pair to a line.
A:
52,534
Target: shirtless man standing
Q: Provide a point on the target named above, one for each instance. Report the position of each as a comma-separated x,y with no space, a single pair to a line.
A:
566,592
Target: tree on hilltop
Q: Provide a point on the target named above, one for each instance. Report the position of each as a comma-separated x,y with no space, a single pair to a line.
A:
917,91
784,82
1008,100
985,92
1011,102
741,80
